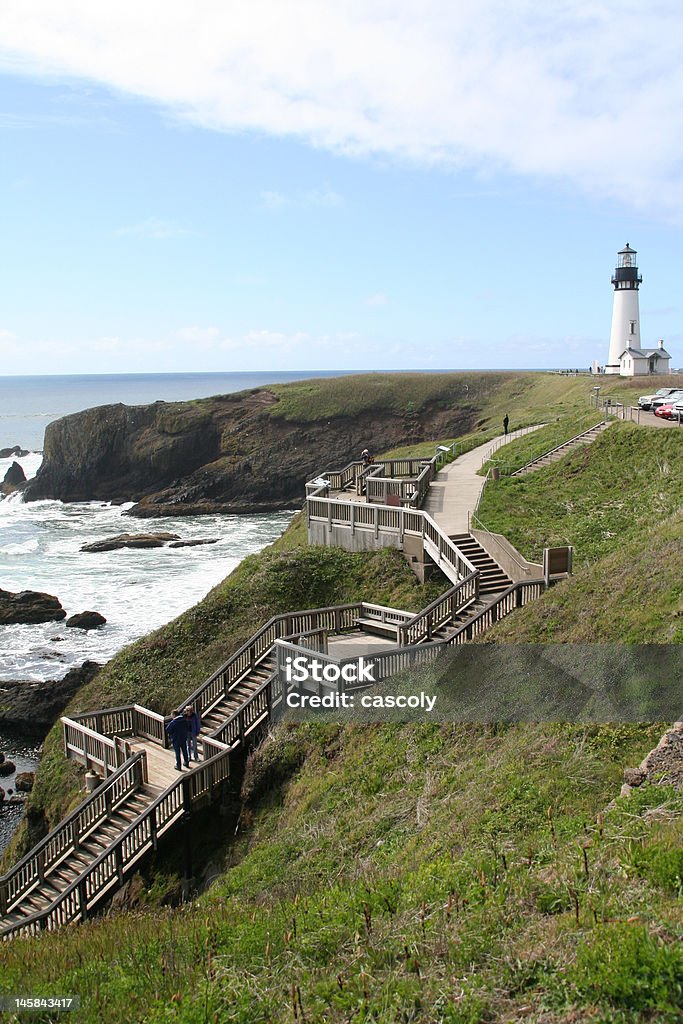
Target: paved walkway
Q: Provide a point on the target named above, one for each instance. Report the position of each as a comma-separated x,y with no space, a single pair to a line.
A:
456,490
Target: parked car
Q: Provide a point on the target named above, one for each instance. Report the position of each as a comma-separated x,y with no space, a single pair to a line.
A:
673,396
645,401
664,412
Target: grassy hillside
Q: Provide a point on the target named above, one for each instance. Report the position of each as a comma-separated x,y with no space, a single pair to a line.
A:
527,397
398,873
634,595
422,873
596,498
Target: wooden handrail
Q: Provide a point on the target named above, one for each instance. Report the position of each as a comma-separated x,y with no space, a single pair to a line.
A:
63,839
124,851
577,437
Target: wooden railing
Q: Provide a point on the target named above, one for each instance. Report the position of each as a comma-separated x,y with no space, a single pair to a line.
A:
30,872
506,438
397,522
516,596
97,739
396,659
444,609
80,898
256,711
408,478
334,619
559,447
91,748
129,720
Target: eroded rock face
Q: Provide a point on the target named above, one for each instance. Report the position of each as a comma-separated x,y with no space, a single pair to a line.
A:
229,453
35,706
29,607
85,620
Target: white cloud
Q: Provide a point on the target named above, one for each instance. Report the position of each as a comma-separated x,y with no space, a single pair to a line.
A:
378,299
591,93
315,197
153,227
199,335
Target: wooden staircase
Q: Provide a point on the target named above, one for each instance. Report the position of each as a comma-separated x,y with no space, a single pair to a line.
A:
91,845
587,437
239,693
492,579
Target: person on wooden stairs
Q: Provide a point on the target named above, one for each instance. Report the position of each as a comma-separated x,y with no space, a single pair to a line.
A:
177,729
194,726
506,423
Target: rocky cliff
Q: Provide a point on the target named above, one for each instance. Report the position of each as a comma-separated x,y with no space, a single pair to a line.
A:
236,453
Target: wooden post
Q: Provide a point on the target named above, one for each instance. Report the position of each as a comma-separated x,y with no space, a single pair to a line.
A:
118,857
83,899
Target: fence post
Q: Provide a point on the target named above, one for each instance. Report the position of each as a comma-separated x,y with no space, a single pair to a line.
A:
83,899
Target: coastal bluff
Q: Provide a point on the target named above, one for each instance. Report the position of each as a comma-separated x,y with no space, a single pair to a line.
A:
246,452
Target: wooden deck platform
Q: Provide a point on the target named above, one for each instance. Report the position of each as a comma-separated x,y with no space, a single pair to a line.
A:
161,769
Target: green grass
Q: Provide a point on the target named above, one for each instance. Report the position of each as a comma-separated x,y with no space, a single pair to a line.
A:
596,498
529,447
422,873
634,595
527,397
406,873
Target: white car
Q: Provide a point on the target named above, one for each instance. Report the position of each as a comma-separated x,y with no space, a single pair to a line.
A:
674,395
645,401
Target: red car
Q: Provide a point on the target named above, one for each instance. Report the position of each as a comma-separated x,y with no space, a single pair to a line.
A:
668,412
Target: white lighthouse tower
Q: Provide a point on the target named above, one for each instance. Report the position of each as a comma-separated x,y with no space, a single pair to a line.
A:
625,333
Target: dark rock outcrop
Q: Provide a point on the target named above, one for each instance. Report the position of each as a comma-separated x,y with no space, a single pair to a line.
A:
29,607
14,479
7,767
24,781
192,543
85,620
34,707
7,453
131,540
233,453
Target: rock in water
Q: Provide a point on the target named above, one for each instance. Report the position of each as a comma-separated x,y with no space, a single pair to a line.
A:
24,781
29,607
131,540
7,453
85,620
14,478
192,543
7,768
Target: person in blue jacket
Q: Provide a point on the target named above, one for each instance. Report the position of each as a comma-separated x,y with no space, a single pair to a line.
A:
194,727
178,731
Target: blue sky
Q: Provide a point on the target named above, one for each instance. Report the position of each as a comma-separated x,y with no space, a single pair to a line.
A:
315,185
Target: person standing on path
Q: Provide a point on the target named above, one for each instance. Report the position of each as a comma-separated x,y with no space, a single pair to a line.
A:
177,729
194,725
506,423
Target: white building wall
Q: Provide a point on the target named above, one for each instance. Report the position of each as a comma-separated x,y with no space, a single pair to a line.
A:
625,310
